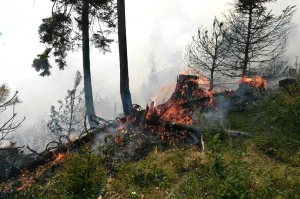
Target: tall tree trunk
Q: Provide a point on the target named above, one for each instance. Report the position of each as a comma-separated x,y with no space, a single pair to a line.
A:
124,76
246,60
211,86
88,92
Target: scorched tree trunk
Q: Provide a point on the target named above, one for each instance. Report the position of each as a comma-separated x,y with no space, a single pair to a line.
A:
88,92
124,76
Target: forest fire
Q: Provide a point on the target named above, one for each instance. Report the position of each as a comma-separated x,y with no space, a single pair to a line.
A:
257,82
172,121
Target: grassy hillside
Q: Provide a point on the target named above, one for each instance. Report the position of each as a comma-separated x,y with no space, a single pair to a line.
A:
265,165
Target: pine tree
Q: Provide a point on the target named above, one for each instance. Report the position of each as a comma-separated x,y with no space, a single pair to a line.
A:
69,117
67,29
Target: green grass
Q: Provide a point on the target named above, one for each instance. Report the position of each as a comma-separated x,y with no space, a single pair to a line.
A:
266,165
237,171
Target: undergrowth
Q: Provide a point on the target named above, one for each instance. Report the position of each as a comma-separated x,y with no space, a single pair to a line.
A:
265,165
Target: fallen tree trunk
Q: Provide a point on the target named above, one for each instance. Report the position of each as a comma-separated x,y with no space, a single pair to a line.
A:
192,128
235,134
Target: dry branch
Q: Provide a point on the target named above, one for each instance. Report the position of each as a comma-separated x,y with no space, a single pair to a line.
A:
17,147
51,155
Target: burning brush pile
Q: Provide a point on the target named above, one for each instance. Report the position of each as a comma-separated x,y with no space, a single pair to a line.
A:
177,112
143,131
186,98
180,113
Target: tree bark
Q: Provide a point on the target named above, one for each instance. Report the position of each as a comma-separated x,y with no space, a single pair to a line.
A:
246,60
124,76
88,92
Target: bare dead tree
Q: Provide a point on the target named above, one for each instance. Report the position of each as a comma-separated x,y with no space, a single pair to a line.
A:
257,36
10,125
206,53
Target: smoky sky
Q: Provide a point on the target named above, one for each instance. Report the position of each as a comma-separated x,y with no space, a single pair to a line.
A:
162,27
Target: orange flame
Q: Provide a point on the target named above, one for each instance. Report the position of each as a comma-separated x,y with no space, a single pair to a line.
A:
179,108
210,95
27,178
173,110
257,82
59,157
154,99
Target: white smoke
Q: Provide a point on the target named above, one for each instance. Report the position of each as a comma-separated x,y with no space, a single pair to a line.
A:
223,105
6,144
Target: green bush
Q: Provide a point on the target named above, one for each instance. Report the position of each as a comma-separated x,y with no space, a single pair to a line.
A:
82,176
